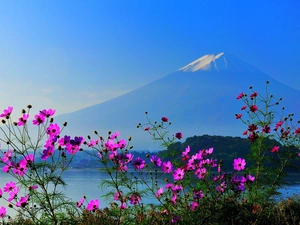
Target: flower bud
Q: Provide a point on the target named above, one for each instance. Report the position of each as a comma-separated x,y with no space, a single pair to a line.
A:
29,106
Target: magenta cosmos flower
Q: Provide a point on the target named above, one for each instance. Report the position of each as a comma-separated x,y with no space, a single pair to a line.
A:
135,199
7,112
164,119
178,135
47,113
2,212
23,120
239,164
38,119
178,174
138,163
155,160
79,203
93,205
275,149
23,201
167,167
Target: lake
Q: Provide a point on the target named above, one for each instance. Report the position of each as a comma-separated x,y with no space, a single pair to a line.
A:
85,182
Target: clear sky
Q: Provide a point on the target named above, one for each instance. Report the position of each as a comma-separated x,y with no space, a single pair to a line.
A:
70,54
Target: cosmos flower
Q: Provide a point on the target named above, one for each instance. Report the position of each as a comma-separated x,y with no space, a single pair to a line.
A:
239,164
93,205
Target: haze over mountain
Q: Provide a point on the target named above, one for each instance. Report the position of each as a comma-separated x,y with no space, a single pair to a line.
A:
199,98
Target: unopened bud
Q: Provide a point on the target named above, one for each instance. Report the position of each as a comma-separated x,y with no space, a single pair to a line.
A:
65,124
29,106
95,132
23,111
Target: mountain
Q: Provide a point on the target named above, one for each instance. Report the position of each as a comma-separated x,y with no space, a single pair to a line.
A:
199,98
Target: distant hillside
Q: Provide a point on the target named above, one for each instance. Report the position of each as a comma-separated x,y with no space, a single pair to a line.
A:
226,148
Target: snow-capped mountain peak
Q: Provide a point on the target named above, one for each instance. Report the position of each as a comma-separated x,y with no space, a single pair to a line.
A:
206,62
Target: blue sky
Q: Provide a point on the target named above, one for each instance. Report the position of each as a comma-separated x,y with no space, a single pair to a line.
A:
72,54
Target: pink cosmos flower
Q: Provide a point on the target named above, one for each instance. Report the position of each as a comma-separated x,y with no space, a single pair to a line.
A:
114,135
155,160
128,157
174,199
198,194
178,135
279,124
23,120
176,189
253,95
275,149
7,112
23,201
159,192
221,187
7,156
138,163
178,174
240,95
239,164
194,206
20,169
164,119
123,205
122,144
252,127
147,129
200,173
167,167
7,167
1,193
253,108
135,199
186,151
266,129
169,186
38,119
47,113
2,212
118,195
209,151
13,193
28,159
47,152
9,186
297,131
92,143
238,116
53,130
244,107
250,178
93,205
79,203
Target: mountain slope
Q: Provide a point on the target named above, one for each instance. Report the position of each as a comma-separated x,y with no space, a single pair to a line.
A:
199,98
